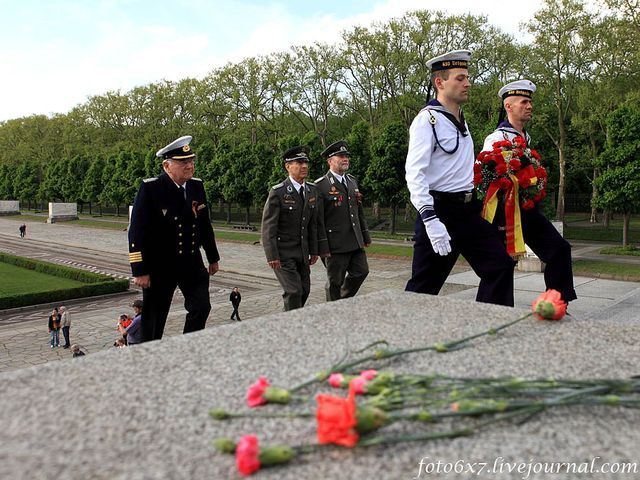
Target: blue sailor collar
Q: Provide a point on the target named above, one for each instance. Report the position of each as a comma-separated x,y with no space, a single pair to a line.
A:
461,125
505,126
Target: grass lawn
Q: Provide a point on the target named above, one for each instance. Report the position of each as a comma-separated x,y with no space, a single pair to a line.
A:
15,280
628,250
616,271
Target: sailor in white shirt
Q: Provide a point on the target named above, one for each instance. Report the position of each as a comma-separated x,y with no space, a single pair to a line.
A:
439,174
538,232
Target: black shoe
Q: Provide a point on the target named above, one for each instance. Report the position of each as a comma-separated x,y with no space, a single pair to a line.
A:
66,346
239,319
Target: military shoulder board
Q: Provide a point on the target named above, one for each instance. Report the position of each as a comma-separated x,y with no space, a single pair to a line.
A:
279,185
149,180
197,179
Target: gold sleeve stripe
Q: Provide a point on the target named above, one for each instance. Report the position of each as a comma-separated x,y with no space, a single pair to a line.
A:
135,257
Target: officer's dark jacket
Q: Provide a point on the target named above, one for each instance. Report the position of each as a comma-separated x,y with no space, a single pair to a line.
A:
343,216
289,225
166,230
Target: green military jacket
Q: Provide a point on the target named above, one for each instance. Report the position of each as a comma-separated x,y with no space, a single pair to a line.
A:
289,224
342,215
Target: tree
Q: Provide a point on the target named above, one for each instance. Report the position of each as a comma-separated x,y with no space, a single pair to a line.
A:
92,186
619,183
25,182
385,175
559,59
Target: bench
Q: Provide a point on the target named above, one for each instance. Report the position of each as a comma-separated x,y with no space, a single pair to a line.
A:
250,228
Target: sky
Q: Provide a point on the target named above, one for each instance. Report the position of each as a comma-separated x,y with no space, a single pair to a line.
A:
54,54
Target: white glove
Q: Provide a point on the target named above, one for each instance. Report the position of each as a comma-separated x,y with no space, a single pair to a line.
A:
439,236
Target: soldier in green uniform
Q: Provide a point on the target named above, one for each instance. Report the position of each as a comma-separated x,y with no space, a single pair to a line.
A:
289,229
346,230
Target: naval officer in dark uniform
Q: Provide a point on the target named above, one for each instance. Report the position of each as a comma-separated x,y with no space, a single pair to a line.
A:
345,227
538,232
169,224
289,229
439,174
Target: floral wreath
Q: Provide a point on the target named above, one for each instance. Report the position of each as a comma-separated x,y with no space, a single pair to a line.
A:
511,172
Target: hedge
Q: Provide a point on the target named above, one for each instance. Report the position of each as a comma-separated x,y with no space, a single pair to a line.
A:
97,284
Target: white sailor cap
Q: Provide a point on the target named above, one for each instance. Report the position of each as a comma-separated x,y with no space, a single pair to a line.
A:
452,59
520,88
177,150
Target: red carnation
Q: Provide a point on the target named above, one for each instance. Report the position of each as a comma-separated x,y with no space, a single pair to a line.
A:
501,168
515,164
505,183
482,155
518,152
535,154
528,205
477,179
549,306
247,455
477,167
520,141
541,172
336,419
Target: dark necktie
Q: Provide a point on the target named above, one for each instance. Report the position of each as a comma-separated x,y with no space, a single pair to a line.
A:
301,192
183,192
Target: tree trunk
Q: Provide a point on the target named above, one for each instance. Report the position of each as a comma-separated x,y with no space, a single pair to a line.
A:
394,213
246,221
90,208
221,206
606,218
229,213
625,228
562,134
594,193
376,211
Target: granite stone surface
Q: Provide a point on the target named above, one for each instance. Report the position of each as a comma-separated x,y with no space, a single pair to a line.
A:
142,412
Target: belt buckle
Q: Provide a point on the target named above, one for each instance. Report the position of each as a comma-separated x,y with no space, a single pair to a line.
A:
468,196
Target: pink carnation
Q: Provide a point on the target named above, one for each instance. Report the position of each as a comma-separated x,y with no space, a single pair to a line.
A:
369,374
336,380
255,393
359,385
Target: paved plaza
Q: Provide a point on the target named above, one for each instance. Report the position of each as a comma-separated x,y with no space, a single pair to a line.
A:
24,340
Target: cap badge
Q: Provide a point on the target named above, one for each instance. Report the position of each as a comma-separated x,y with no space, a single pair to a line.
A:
289,188
186,148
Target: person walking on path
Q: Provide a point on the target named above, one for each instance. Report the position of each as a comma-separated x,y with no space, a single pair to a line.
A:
235,298
439,174
54,328
65,321
345,228
290,229
169,223
537,231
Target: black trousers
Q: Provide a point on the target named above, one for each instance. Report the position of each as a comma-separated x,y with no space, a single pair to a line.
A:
194,285
235,313
547,243
65,332
480,244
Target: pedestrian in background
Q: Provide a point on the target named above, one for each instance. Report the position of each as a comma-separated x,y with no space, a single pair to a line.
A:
54,328
235,298
65,321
